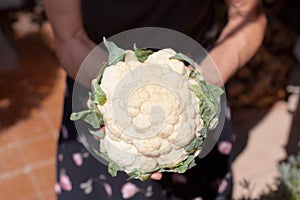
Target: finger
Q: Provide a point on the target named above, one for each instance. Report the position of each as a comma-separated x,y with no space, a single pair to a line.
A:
96,138
156,176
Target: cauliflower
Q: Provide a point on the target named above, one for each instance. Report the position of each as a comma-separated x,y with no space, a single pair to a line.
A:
156,111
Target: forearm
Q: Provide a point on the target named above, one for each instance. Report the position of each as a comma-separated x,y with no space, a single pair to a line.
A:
71,54
240,38
71,42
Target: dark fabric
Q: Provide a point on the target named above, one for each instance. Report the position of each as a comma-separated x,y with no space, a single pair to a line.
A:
109,17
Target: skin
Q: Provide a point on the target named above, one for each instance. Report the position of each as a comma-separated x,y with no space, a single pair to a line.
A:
238,42
240,38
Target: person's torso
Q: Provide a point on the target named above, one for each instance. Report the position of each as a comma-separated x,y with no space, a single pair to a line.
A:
109,17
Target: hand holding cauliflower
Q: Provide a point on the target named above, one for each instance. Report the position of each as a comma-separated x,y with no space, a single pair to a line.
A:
155,109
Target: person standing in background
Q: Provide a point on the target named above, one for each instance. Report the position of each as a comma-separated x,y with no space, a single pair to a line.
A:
79,26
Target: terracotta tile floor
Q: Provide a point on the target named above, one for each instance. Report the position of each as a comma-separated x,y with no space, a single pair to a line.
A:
30,108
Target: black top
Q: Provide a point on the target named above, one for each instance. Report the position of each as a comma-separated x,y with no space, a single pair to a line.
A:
109,17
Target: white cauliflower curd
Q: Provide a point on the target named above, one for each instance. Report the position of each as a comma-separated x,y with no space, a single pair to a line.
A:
156,111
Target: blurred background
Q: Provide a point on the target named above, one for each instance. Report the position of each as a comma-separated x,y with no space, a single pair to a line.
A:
264,97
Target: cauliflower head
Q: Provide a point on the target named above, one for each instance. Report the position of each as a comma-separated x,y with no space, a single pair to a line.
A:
148,111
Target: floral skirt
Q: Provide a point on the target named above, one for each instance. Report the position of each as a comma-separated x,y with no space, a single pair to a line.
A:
81,176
